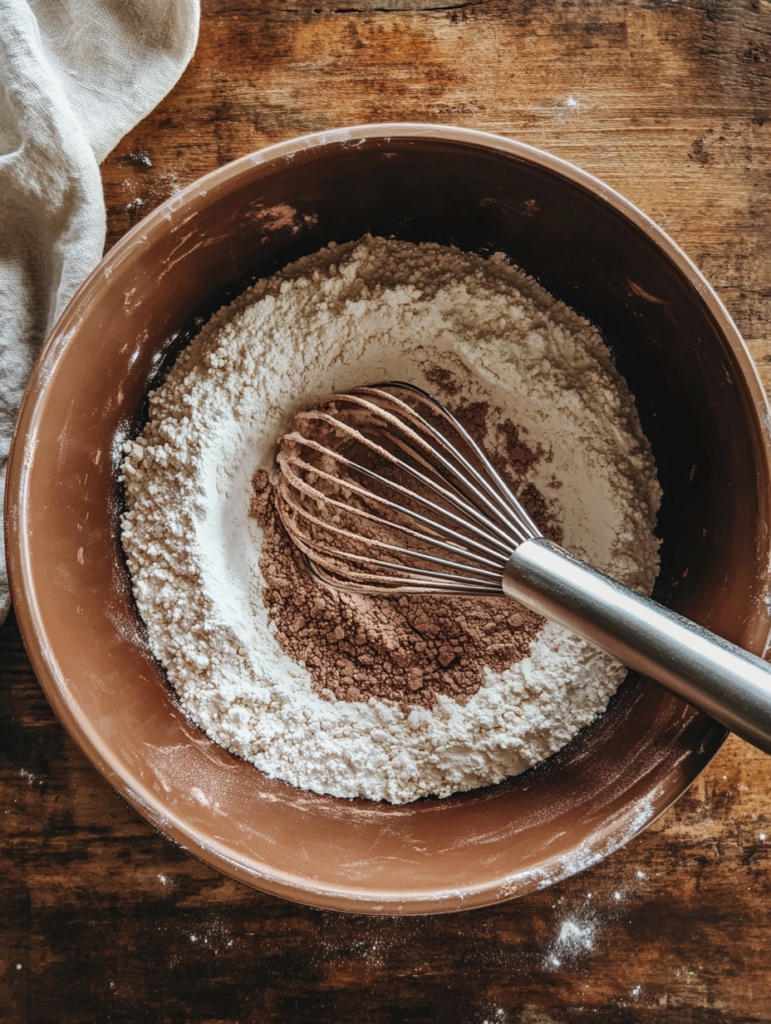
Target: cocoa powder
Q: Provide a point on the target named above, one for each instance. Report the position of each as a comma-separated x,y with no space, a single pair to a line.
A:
406,649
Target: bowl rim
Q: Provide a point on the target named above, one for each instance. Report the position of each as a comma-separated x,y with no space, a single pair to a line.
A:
18,552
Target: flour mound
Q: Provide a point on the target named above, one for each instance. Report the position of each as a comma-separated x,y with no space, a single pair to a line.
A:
468,329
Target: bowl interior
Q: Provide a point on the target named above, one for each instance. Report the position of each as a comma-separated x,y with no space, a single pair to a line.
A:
700,405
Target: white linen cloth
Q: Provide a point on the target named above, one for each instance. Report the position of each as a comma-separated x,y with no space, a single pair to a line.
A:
75,77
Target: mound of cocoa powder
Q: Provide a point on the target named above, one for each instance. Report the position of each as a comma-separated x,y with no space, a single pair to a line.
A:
406,649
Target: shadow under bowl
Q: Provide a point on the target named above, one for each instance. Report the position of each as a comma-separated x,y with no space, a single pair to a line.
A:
701,406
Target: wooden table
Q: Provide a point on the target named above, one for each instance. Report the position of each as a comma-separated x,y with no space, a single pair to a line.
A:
103,920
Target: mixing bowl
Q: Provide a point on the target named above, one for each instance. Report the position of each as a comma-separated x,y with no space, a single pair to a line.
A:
700,404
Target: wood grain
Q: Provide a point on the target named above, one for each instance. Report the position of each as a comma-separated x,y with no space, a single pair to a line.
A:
103,920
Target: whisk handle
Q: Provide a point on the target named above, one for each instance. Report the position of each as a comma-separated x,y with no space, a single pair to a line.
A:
716,676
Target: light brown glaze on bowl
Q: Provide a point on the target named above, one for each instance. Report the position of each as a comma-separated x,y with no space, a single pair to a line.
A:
700,403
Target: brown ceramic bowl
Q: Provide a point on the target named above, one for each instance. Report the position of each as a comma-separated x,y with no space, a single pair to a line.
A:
700,403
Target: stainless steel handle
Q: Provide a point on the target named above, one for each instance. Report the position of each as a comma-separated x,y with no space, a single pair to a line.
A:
714,675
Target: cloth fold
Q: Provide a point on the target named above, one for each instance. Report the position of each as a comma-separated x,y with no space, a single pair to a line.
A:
75,77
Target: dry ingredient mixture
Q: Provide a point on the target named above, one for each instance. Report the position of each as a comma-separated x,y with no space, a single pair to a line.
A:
381,697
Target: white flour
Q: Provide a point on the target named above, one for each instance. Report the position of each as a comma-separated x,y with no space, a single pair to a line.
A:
349,315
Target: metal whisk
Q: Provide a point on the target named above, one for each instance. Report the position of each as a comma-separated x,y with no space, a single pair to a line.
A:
385,492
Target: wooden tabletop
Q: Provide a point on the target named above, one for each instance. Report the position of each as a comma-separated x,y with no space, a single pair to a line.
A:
101,919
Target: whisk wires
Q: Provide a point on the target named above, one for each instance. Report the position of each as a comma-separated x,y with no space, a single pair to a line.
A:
385,491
